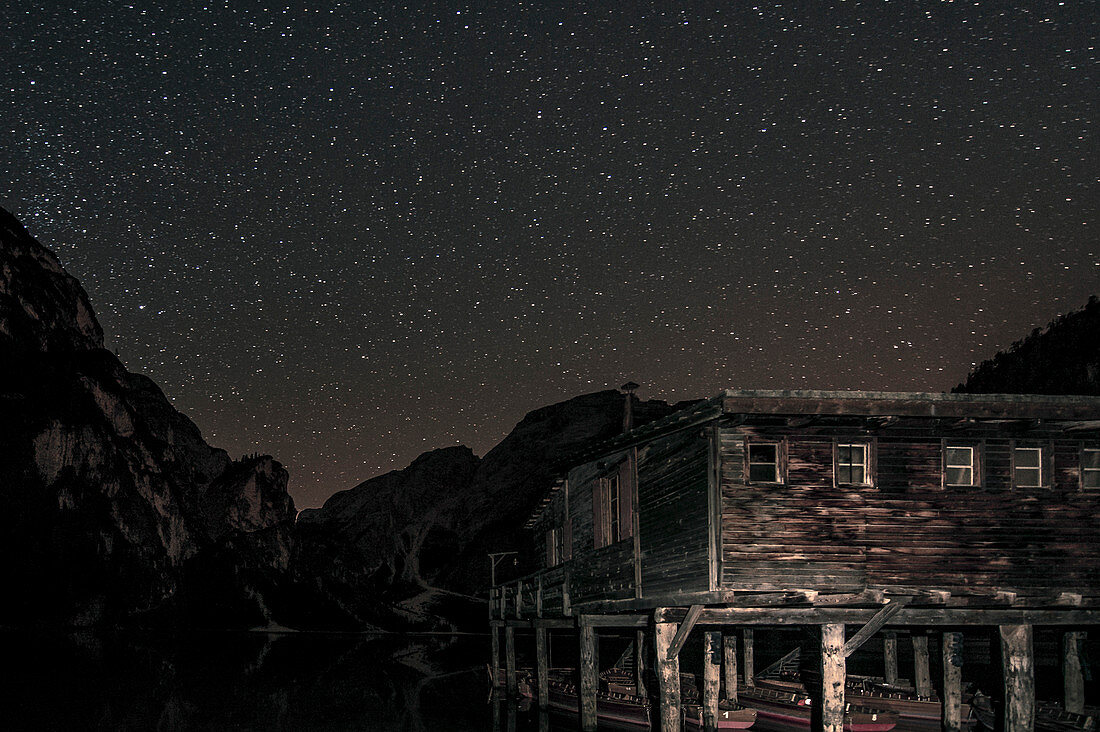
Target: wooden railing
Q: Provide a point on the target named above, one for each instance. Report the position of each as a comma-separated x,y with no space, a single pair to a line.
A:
544,593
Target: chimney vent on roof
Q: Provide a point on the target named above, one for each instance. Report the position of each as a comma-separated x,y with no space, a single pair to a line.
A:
628,410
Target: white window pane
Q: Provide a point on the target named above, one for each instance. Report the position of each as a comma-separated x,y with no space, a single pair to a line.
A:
960,476
1090,459
1091,478
1027,457
1028,477
857,474
960,456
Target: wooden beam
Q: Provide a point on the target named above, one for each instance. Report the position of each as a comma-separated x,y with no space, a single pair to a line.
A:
712,674
1019,677
684,630
589,678
874,625
639,663
542,661
510,659
729,652
833,675
668,677
890,657
952,681
747,656
912,616
614,621
1074,688
494,659
922,679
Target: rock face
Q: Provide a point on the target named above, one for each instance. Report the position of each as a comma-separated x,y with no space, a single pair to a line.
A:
1063,358
372,554
115,508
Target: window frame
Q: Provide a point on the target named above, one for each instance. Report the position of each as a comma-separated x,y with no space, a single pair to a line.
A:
613,520
975,463
779,462
867,448
1084,470
1043,452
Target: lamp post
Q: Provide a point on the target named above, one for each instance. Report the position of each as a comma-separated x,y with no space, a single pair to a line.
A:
494,559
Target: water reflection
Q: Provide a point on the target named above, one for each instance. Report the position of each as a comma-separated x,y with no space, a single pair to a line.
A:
260,681
246,681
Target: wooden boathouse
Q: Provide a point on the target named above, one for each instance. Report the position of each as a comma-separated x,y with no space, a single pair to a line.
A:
847,514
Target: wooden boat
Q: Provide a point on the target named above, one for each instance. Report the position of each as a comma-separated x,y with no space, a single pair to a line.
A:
793,707
614,709
730,716
866,692
1048,716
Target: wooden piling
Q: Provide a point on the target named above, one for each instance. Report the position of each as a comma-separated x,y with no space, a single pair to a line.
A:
542,660
589,678
730,671
668,676
747,656
922,678
1019,677
639,664
712,674
510,659
1072,673
494,651
833,674
890,657
952,681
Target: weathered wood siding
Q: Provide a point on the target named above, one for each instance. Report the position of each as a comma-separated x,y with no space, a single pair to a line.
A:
908,530
672,512
605,573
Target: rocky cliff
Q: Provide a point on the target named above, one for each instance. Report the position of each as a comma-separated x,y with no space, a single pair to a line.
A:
1062,358
410,547
116,510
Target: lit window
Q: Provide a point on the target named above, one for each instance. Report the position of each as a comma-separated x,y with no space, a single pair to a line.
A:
1090,468
1027,462
851,464
764,463
959,465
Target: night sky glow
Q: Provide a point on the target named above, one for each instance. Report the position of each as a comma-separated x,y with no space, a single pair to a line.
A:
347,234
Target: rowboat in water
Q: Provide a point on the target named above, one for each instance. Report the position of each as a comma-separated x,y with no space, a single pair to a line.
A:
793,707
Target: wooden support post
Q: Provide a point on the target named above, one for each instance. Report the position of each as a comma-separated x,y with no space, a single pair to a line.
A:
730,653
639,663
1019,677
922,678
952,681
712,674
542,660
833,673
494,649
510,659
589,678
1072,673
668,677
890,657
746,655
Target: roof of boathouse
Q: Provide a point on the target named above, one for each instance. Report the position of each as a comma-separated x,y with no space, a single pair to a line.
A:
1076,413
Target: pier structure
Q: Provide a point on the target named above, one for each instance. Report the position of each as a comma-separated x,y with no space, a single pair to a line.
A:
849,515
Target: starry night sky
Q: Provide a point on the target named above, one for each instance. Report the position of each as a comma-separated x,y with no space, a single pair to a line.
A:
349,234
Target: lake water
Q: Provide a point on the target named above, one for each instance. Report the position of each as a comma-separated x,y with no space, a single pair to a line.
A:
257,681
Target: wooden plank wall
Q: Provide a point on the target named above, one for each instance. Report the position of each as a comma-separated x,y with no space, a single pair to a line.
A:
672,512
606,573
803,535
908,530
